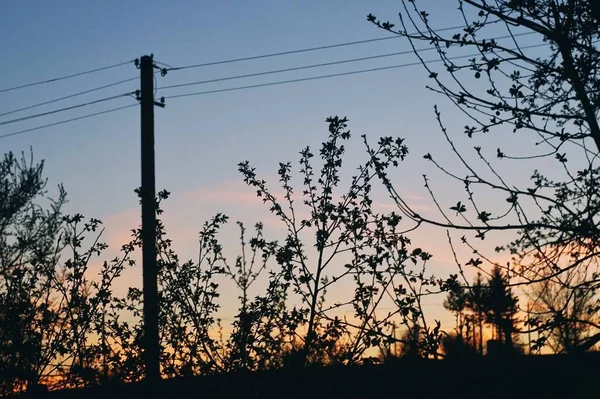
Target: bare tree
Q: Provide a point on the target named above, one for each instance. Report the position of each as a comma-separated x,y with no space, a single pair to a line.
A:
568,316
546,92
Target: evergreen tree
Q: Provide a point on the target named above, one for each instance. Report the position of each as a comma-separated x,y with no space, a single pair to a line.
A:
476,302
500,306
456,302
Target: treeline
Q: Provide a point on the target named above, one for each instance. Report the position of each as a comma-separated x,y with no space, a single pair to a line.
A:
486,302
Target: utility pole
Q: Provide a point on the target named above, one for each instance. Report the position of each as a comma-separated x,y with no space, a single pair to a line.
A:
148,200
395,354
529,326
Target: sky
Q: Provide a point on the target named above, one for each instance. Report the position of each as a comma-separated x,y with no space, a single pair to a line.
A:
201,139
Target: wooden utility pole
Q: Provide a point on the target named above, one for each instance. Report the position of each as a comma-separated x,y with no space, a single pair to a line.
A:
529,327
148,199
395,354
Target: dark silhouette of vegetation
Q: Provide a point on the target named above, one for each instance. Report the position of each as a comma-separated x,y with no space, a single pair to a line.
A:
456,347
500,307
376,253
488,302
570,315
344,278
63,326
546,100
456,302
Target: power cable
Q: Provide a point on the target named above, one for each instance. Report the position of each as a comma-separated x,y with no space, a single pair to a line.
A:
65,109
297,80
332,75
304,50
351,60
67,97
245,87
164,64
64,77
250,75
66,121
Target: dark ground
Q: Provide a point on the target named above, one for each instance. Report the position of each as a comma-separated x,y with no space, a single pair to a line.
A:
523,377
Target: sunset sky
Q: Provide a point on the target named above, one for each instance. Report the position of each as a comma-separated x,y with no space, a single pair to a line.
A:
200,139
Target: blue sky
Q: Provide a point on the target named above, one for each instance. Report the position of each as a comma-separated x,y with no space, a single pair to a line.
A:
200,140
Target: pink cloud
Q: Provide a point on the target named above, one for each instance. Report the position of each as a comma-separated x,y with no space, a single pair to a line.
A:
118,227
227,192
186,212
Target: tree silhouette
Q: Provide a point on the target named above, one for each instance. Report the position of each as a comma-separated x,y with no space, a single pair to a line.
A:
456,302
27,235
477,299
49,307
500,306
376,254
468,305
490,302
568,316
273,328
548,95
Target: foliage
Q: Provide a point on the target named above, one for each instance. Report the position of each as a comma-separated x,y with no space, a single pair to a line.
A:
351,241
63,326
48,306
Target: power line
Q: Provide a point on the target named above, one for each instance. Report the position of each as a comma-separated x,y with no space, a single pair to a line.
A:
164,64
64,77
295,80
304,50
332,75
346,61
65,109
200,82
66,121
67,97
246,87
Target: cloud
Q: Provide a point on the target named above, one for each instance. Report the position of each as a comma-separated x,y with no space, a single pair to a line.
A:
228,192
119,225
186,212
